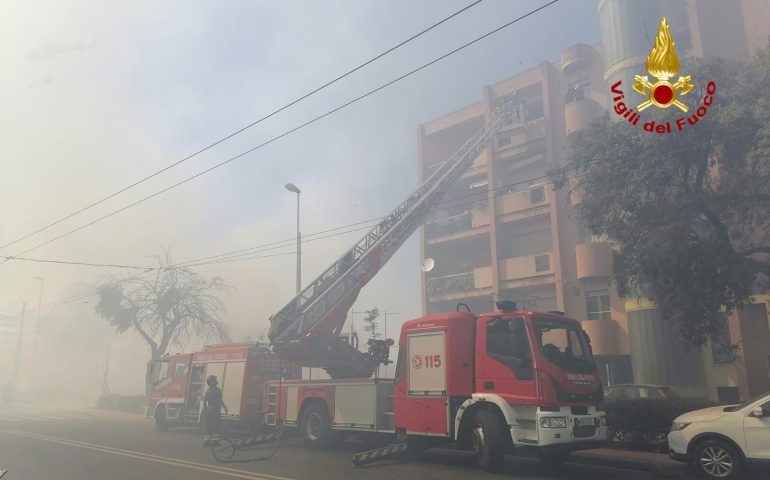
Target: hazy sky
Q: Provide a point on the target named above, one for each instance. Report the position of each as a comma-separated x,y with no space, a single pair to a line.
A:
95,95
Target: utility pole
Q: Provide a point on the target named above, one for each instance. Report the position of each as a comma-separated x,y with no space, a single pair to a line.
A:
105,381
18,344
37,324
385,331
295,189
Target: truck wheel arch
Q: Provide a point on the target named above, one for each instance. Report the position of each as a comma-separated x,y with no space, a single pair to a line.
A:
467,411
160,404
307,402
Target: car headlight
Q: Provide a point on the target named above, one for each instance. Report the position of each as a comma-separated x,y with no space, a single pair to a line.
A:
553,422
676,426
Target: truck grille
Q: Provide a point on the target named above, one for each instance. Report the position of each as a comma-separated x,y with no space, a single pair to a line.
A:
583,431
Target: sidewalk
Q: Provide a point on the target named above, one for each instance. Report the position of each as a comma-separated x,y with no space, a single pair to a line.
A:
657,463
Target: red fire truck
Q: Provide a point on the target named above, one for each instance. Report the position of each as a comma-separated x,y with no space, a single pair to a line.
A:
242,370
500,380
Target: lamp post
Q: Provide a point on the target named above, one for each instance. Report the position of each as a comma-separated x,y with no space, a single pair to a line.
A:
293,188
37,324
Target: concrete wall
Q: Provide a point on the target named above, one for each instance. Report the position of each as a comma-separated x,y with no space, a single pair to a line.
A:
659,357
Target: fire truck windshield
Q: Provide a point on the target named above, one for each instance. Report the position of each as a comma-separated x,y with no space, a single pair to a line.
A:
564,344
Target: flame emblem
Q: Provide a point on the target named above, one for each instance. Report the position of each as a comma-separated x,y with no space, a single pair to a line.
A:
663,64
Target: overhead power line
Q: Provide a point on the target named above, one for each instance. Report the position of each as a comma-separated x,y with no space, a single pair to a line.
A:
299,127
250,253
65,262
243,129
243,254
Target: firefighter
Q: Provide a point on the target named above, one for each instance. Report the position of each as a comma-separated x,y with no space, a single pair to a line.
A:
212,407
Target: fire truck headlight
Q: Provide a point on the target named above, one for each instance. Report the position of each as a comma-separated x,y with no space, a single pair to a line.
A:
553,422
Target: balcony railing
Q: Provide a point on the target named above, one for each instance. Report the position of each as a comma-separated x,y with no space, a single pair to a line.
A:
462,282
449,226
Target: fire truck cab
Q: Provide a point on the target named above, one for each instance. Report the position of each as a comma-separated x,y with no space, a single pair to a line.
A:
499,380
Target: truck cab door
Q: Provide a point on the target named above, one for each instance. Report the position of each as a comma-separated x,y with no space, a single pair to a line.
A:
504,360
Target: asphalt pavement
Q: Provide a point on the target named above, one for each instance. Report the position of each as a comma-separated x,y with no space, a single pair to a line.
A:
77,444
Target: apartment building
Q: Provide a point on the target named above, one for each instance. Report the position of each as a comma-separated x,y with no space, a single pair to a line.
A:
503,232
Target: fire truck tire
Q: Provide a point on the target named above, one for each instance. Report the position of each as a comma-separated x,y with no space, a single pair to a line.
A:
316,427
160,419
488,441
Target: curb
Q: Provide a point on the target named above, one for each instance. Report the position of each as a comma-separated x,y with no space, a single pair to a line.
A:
658,469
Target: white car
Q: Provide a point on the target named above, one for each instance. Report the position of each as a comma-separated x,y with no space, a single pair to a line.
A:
720,441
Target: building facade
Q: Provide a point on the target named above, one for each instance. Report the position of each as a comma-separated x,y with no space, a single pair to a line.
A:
503,232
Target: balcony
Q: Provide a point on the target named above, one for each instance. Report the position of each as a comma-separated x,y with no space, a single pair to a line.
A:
579,114
522,151
526,270
593,260
523,204
517,136
468,223
576,57
459,285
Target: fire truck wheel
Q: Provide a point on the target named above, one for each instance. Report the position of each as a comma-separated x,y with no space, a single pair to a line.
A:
315,426
160,419
488,441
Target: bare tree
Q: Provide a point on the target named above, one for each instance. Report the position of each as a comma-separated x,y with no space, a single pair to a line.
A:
168,306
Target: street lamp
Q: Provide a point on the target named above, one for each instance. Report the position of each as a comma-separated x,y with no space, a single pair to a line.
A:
293,188
37,324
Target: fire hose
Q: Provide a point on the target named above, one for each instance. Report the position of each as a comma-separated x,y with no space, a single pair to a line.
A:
225,449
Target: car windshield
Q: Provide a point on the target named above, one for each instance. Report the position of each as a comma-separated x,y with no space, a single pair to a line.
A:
741,406
563,343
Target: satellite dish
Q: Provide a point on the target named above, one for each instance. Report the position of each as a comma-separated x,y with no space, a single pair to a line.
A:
427,264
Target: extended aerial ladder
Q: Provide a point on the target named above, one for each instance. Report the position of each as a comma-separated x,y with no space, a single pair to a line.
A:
307,330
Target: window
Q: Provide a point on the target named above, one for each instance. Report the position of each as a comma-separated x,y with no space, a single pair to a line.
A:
537,195
180,369
564,344
598,305
542,263
728,395
722,344
503,141
508,344
160,371
577,91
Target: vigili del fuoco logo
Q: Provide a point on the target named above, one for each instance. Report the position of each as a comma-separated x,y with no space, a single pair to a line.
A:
663,65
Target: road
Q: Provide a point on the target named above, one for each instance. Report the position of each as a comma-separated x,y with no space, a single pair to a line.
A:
75,444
